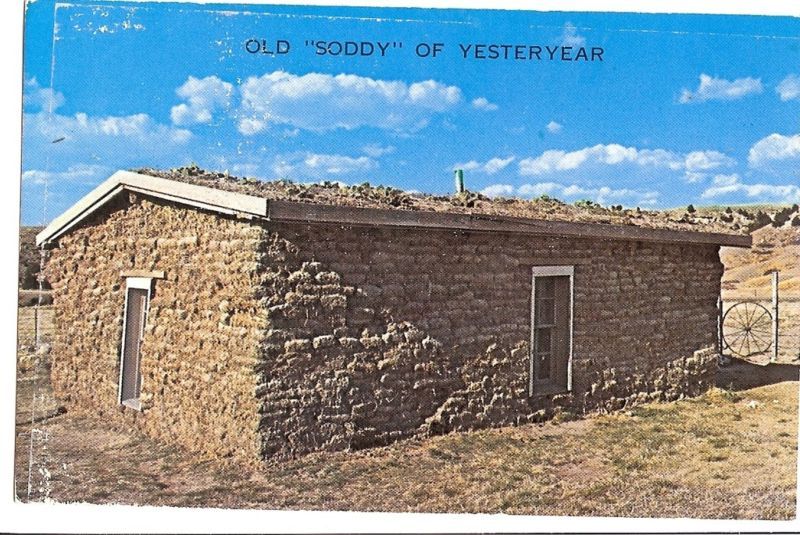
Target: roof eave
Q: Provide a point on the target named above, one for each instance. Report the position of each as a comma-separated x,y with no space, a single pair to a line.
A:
217,200
229,202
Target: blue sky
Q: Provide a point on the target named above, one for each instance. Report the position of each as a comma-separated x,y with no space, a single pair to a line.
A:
681,109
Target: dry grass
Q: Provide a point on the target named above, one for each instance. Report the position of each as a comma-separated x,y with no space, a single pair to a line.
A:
26,327
727,454
724,455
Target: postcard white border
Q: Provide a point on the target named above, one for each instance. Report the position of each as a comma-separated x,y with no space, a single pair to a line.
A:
71,518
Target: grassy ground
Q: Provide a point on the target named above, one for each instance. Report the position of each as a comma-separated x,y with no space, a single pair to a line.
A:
728,454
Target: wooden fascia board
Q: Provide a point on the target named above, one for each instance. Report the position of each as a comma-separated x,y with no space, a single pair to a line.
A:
195,195
298,212
79,211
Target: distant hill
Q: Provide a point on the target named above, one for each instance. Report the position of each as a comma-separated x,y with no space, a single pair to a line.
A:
775,229
747,270
29,259
747,217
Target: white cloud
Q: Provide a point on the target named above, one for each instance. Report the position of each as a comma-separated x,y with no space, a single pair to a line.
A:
552,161
732,184
376,150
337,164
570,36
482,103
245,169
321,102
497,164
320,166
692,177
706,160
41,98
775,147
540,188
712,88
559,160
699,163
498,190
602,194
69,153
203,96
237,163
139,126
112,140
80,173
789,88
468,166
249,126
489,167
554,127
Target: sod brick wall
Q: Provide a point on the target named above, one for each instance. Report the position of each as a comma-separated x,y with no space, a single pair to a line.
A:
644,329
269,341
204,325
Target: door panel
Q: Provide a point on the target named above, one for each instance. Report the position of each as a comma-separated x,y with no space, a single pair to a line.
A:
134,329
561,342
551,328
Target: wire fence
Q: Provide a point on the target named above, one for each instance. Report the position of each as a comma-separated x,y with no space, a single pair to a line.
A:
788,325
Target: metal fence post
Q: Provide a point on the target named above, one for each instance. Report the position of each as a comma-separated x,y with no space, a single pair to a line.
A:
719,325
775,321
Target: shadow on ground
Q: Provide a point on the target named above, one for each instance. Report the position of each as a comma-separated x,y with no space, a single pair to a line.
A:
743,375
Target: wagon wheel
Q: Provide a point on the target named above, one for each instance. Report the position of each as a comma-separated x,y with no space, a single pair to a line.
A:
747,329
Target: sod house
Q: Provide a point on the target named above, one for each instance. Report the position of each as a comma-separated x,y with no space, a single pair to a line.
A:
265,320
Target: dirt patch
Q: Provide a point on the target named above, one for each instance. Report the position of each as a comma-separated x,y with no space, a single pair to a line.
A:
743,374
724,455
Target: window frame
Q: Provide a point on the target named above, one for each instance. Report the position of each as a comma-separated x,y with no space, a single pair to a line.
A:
139,283
550,271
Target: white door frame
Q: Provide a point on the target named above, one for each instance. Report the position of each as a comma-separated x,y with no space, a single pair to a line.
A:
141,283
551,271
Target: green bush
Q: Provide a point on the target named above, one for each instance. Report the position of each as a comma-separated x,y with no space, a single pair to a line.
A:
782,216
761,220
586,203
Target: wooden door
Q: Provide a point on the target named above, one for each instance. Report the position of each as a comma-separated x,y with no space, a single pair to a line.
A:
561,331
551,332
135,311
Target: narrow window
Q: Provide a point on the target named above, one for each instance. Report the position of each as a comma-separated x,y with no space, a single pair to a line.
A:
551,330
137,298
